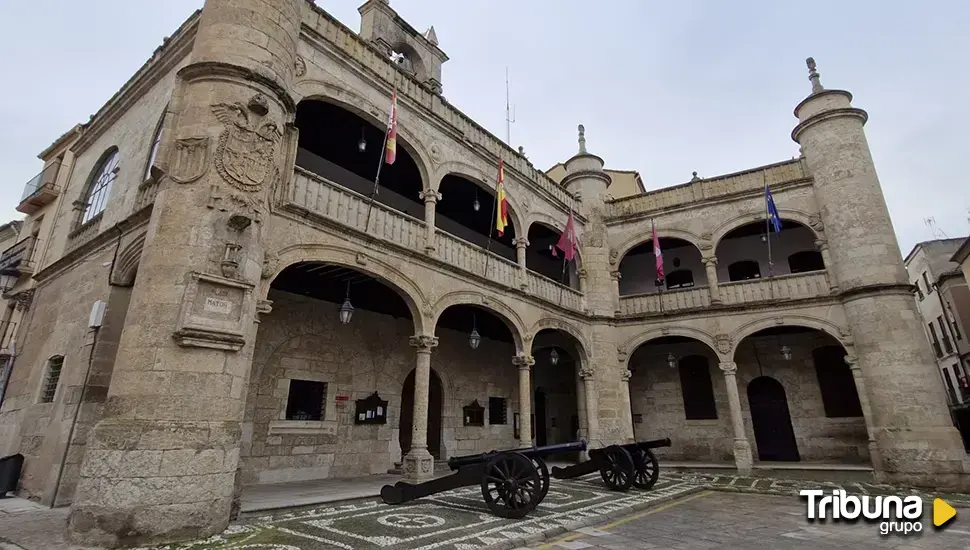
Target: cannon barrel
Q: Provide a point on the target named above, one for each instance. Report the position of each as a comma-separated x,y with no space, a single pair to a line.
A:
531,452
654,443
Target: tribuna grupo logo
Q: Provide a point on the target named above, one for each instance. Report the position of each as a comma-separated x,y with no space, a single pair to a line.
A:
894,514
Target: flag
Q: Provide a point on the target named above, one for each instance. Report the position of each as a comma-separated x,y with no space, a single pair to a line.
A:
502,211
567,241
657,254
773,217
390,150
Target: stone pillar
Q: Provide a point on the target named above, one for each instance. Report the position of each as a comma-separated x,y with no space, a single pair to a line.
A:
625,375
525,362
431,198
860,387
521,244
911,424
710,265
589,393
581,406
615,277
823,247
160,466
418,463
742,449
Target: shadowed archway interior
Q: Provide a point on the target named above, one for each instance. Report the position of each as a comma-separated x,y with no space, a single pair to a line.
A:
742,253
542,258
456,214
682,267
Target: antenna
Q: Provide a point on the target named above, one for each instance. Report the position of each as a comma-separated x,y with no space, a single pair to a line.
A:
509,111
936,231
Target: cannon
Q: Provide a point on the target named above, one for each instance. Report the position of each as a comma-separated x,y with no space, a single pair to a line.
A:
513,482
620,466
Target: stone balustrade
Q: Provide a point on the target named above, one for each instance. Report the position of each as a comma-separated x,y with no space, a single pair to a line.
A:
315,194
782,287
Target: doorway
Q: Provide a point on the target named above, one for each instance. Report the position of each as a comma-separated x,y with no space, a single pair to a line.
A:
540,415
771,419
435,402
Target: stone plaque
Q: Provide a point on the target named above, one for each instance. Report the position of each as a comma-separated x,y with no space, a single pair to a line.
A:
212,314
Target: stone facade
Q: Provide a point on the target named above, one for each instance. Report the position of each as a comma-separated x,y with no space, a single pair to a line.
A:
219,256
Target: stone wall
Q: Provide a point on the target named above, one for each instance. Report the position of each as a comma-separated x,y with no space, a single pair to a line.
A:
303,339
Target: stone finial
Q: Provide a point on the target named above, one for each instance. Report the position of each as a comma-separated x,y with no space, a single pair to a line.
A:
813,76
694,176
582,139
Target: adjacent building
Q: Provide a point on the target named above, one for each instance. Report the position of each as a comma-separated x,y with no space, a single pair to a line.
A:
224,300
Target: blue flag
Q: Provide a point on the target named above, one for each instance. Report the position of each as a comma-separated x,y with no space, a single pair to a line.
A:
773,217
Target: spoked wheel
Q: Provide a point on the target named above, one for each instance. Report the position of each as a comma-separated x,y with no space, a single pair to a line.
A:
648,469
617,468
543,476
511,485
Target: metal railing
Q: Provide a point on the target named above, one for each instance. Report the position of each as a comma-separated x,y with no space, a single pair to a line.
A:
19,256
46,178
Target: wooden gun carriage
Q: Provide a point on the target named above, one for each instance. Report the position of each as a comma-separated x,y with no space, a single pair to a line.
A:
620,466
513,482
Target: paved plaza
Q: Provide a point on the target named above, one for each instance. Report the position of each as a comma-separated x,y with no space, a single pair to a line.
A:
684,510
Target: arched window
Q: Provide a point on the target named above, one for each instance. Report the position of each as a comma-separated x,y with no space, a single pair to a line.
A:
835,382
682,278
697,388
744,270
153,153
51,379
99,186
804,261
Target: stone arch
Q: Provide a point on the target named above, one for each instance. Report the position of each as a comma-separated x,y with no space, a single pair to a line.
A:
365,263
547,220
631,345
126,265
557,324
822,325
477,175
501,310
792,215
639,238
353,102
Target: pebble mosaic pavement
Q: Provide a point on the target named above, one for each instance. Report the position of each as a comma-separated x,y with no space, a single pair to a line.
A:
459,520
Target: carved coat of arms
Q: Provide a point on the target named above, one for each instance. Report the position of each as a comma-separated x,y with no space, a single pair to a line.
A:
246,153
190,159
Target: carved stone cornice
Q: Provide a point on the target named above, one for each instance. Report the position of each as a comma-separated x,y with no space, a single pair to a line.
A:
709,261
429,195
852,361
23,299
729,368
520,242
615,275
625,375
423,342
524,362
586,373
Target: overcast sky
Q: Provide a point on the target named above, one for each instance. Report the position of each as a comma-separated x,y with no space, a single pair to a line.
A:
665,88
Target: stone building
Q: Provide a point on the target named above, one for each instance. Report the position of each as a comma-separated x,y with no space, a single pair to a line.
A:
943,300
9,234
269,318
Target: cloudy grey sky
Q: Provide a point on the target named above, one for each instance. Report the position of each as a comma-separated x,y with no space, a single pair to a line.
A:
665,88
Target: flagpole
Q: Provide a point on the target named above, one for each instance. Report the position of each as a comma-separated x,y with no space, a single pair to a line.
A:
768,229
491,227
380,164
563,275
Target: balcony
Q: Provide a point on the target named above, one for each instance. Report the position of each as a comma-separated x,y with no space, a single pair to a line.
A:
19,259
41,190
8,335
318,195
798,286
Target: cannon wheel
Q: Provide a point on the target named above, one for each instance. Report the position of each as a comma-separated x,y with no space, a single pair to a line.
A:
617,468
511,485
648,469
543,476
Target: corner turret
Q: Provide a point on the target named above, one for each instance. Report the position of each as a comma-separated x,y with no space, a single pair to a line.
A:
584,173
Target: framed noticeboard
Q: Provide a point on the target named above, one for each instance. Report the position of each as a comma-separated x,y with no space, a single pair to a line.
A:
372,410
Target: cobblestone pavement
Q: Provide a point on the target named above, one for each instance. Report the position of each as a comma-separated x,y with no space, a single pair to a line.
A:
749,521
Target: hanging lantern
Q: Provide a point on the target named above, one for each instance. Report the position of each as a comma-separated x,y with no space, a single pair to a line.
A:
474,339
475,205
346,309
362,144
671,361
554,357
786,353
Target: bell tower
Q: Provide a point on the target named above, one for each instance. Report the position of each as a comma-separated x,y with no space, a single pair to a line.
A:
915,437
415,52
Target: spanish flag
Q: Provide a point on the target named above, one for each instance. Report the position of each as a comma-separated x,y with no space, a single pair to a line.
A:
502,212
390,151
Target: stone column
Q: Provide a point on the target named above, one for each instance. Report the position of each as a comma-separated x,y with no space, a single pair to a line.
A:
525,362
418,463
823,247
160,466
742,449
625,375
521,244
581,407
615,276
589,392
860,386
431,198
710,265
